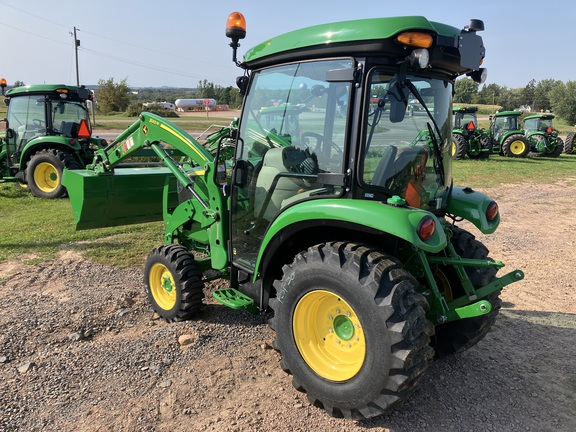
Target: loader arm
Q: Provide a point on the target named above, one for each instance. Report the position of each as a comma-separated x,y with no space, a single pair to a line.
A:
185,192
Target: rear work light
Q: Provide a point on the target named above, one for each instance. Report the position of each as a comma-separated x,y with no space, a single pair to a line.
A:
426,228
492,211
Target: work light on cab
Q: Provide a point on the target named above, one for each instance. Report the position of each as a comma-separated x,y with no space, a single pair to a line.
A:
235,30
492,211
426,228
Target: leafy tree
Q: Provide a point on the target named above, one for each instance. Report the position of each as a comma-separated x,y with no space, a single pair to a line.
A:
541,94
528,93
563,101
464,90
111,96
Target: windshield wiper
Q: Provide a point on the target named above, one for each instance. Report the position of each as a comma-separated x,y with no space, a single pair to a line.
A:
438,165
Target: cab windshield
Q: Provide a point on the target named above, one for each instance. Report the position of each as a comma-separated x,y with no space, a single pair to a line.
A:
405,147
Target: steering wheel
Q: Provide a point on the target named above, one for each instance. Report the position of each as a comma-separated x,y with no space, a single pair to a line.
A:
319,140
39,123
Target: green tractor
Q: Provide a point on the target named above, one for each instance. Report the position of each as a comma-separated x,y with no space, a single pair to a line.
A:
507,137
47,129
467,138
544,140
336,215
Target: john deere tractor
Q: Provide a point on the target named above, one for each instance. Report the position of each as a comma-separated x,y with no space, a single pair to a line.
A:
326,207
47,129
507,137
467,138
544,140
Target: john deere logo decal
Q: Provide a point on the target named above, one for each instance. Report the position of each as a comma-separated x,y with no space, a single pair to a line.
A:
145,130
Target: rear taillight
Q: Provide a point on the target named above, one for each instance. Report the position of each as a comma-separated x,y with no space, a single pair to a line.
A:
426,228
492,211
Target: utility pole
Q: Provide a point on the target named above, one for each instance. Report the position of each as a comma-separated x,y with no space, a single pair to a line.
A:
76,45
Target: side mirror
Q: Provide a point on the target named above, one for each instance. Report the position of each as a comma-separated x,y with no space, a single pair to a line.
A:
242,170
398,102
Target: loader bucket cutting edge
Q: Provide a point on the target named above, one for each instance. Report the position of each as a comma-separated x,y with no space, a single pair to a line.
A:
128,196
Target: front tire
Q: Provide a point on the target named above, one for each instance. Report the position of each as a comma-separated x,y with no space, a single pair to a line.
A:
44,172
173,282
460,335
516,146
351,329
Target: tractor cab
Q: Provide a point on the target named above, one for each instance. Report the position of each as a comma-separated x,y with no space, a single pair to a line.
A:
503,123
47,129
544,139
41,111
465,118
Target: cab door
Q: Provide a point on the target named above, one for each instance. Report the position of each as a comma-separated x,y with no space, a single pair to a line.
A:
293,128
26,119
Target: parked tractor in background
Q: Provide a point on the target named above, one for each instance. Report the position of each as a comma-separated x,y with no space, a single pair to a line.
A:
506,135
544,140
47,129
570,142
336,210
467,138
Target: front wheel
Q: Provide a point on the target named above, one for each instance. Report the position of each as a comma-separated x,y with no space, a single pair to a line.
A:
173,282
351,329
44,172
516,146
457,336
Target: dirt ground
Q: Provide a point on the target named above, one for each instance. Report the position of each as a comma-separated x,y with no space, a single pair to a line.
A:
80,349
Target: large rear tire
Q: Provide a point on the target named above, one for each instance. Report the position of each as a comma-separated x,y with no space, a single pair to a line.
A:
457,336
570,143
351,329
516,146
44,172
459,148
173,282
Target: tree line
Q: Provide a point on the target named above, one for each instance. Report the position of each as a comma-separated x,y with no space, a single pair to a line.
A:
119,97
545,95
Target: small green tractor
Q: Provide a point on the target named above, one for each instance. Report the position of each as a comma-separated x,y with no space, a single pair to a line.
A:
570,142
47,129
467,138
325,206
507,137
544,140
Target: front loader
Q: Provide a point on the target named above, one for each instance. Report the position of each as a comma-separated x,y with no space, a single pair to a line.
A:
325,205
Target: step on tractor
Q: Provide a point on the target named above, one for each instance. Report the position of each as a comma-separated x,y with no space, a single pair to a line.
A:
506,135
570,142
544,139
467,138
47,129
326,207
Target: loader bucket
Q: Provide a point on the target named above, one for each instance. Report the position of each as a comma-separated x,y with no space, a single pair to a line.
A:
128,196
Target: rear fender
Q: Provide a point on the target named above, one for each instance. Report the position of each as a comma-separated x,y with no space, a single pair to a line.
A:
55,142
472,205
401,222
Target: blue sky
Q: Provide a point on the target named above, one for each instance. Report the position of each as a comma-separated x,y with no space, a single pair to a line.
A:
181,42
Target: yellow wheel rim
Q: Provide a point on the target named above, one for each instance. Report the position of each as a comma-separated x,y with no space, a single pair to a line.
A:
453,149
329,335
517,147
46,177
162,286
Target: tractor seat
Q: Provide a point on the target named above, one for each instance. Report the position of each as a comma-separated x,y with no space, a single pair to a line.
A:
69,129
